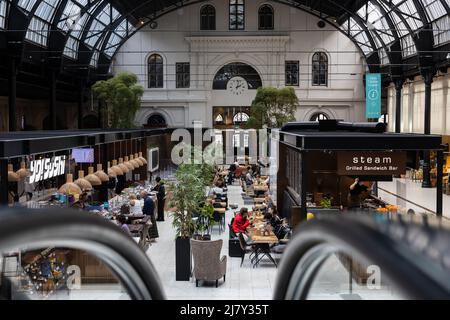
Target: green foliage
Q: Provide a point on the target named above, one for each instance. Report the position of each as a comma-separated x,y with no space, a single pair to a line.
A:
206,214
273,107
122,97
326,202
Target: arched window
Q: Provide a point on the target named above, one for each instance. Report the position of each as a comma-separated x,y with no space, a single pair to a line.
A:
237,15
155,71
237,69
156,121
240,118
265,17
208,18
320,69
319,116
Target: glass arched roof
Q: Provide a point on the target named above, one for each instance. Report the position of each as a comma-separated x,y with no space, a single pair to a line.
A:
97,28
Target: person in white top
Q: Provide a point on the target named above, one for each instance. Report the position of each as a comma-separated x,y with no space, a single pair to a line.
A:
135,206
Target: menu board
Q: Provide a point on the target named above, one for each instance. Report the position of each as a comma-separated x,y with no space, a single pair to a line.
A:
83,155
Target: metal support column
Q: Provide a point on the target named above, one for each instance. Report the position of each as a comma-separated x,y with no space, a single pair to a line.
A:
303,182
52,105
12,112
80,107
398,105
428,79
440,164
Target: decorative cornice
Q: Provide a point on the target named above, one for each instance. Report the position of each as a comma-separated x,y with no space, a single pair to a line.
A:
260,43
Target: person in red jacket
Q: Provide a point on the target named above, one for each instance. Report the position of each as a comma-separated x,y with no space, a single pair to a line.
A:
240,222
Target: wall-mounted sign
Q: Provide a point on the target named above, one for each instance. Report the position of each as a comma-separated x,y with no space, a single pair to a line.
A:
373,96
47,168
351,163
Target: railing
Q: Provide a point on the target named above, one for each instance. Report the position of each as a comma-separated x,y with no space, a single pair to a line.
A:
413,255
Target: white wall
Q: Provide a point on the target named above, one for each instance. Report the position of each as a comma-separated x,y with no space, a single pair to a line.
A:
413,101
295,37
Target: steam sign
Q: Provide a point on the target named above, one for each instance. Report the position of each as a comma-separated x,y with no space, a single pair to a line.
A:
44,169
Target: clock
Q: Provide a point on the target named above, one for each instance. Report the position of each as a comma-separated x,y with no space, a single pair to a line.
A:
237,85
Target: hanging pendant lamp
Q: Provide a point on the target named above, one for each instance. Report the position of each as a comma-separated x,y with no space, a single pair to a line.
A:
101,174
142,158
23,172
122,166
92,178
82,182
134,162
128,164
111,172
12,176
117,169
69,187
139,161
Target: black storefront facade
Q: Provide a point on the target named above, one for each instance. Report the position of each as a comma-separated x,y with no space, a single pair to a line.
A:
21,147
325,157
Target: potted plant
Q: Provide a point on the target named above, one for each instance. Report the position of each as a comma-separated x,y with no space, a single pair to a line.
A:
205,220
188,192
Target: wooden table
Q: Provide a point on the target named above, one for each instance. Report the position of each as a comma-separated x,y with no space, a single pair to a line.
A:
224,173
262,245
220,210
260,206
262,188
259,200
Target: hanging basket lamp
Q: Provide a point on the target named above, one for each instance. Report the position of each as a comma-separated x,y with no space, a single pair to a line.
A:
139,161
69,187
117,169
101,174
122,166
23,172
129,165
92,178
12,176
111,172
142,158
82,182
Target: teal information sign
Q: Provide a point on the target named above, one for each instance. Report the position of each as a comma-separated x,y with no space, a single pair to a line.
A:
373,96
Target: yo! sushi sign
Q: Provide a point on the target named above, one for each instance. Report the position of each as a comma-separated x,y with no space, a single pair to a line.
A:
47,168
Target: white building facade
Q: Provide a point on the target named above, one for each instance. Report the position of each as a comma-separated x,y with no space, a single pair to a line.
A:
185,62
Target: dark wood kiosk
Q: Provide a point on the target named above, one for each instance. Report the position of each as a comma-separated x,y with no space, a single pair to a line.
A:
320,160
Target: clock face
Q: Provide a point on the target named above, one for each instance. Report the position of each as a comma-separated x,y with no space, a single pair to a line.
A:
237,85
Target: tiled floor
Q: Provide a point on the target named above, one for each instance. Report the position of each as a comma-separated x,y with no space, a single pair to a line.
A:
241,282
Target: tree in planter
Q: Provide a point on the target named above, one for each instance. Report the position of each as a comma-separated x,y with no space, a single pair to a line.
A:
206,219
273,107
122,97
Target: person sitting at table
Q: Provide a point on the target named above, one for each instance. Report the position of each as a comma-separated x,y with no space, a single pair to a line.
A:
149,210
123,224
135,205
217,190
249,177
241,222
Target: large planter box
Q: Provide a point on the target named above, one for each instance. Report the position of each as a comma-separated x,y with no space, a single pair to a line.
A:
182,259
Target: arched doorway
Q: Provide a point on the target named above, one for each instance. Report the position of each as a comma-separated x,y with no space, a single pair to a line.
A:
156,121
319,116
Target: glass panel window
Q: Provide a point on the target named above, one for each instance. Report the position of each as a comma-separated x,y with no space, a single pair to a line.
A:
434,9
183,70
376,20
237,15
39,27
208,18
71,14
71,48
265,18
27,5
292,73
155,71
441,31
320,69
3,13
408,46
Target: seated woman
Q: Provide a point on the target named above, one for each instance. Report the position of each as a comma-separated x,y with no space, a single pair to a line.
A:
241,223
123,224
135,205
